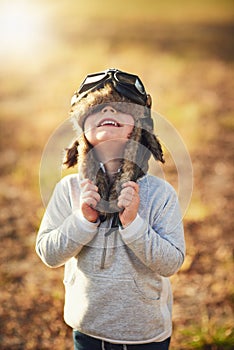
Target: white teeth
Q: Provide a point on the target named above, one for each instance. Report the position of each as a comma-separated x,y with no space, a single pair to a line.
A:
109,122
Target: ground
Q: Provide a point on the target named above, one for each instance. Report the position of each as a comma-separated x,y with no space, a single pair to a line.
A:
193,67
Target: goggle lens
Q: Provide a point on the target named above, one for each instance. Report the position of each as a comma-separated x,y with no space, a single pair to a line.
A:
91,81
131,80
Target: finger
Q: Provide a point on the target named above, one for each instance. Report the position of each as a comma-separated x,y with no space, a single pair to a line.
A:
131,184
85,182
128,191
91,202
91,196
128,199
126,196
88,186
124,203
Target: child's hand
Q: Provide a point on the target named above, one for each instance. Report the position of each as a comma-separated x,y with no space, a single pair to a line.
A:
89,200
129,200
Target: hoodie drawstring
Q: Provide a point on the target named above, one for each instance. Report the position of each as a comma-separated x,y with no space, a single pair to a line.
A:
114,227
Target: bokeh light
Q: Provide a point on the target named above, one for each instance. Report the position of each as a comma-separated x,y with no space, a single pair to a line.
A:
24,29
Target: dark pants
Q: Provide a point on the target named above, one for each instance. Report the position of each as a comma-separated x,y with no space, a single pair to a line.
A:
84,342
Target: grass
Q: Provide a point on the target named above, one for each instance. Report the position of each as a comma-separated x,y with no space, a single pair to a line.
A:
209,337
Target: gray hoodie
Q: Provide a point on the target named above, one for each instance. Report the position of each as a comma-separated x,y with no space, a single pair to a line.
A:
124,295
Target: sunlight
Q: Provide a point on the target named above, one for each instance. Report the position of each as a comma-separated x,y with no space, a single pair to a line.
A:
22,27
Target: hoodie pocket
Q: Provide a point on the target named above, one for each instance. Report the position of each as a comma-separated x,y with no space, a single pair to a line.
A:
112,308
149,287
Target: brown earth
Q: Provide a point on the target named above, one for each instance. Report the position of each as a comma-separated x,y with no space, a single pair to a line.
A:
31,299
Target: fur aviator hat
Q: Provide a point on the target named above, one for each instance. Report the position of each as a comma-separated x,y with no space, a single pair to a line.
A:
134,164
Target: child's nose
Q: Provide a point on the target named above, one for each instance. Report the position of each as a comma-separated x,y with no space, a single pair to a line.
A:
108,109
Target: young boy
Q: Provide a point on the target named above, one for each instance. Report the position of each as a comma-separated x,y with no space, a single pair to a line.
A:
117,229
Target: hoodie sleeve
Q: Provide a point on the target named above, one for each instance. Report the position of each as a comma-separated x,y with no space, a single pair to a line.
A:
159,243
63,231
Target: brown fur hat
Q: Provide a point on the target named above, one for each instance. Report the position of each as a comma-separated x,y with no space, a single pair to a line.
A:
141,144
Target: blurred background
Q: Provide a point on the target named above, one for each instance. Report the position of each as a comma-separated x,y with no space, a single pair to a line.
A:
183,51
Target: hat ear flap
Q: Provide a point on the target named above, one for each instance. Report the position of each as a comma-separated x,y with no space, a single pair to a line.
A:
77,153
150,141
71,156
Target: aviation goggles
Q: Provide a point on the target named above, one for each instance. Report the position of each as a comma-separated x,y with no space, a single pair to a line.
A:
128,85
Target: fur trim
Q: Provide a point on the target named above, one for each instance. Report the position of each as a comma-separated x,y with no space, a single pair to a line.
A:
98,99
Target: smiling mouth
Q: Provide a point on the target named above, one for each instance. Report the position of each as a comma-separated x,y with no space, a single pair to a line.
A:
109,122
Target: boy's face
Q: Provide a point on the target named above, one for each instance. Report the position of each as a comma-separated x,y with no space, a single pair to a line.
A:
108,124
